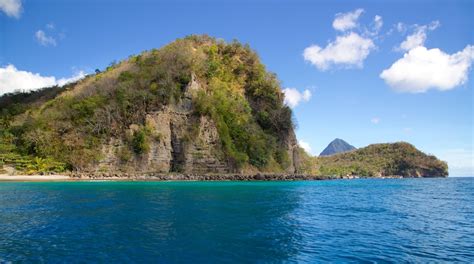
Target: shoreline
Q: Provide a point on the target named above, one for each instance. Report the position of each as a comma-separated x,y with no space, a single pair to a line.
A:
76,177
47,178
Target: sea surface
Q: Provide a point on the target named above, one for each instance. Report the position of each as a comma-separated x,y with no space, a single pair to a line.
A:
367,220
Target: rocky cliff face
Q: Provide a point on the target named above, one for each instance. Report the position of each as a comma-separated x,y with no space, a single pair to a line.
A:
172,149
184,143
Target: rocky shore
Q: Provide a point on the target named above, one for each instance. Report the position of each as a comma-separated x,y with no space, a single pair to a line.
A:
86,176
194,177
207,177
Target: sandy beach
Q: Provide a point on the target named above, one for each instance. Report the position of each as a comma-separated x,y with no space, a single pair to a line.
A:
5,177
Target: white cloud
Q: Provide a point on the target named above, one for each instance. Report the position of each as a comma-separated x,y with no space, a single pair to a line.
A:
398,27
422,69
11,8
293,97
346,21
351,47
401,27
44,39
76,77
433,25
412,41
378,23
305,146
375,120
12,79
418,37
348,50
374,29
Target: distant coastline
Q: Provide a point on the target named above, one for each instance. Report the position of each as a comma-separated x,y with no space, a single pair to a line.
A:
184,177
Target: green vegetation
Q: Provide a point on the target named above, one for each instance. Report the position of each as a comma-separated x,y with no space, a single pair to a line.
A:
66,128
246,102
58,129
140,142
26,163
401,159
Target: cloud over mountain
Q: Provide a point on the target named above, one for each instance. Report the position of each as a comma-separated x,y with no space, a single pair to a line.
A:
12,79
305,146
293,97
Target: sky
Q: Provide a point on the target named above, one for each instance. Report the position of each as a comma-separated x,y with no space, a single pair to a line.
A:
364,71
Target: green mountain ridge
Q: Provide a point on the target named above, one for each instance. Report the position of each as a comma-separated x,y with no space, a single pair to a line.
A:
378,160
198,105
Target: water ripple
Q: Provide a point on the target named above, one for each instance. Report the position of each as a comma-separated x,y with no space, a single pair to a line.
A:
373,221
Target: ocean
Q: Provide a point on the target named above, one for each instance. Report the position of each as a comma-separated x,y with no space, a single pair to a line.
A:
365,220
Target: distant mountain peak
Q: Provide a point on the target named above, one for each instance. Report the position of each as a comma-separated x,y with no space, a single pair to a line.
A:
337,146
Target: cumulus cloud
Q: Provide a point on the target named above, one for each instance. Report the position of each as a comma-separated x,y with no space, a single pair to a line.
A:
346,21
11,8
351,47
12,79
349,50
413,41
76,77
305,146
293,97
375,120
44,39
418,37
422,69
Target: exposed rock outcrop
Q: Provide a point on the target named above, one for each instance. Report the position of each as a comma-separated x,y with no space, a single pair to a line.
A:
181,142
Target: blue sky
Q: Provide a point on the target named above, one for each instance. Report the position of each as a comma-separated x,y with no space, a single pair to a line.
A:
336,51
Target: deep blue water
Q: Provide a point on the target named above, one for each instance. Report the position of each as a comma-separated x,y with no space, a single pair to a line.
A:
400,220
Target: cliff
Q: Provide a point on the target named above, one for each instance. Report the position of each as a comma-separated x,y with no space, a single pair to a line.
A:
197,105
381,160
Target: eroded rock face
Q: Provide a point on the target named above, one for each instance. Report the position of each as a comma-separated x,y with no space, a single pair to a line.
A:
179,141
292,148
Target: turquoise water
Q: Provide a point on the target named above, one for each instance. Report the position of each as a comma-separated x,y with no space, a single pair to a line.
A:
414,220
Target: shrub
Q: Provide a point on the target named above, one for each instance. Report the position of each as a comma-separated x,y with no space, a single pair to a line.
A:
124,154
140,142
